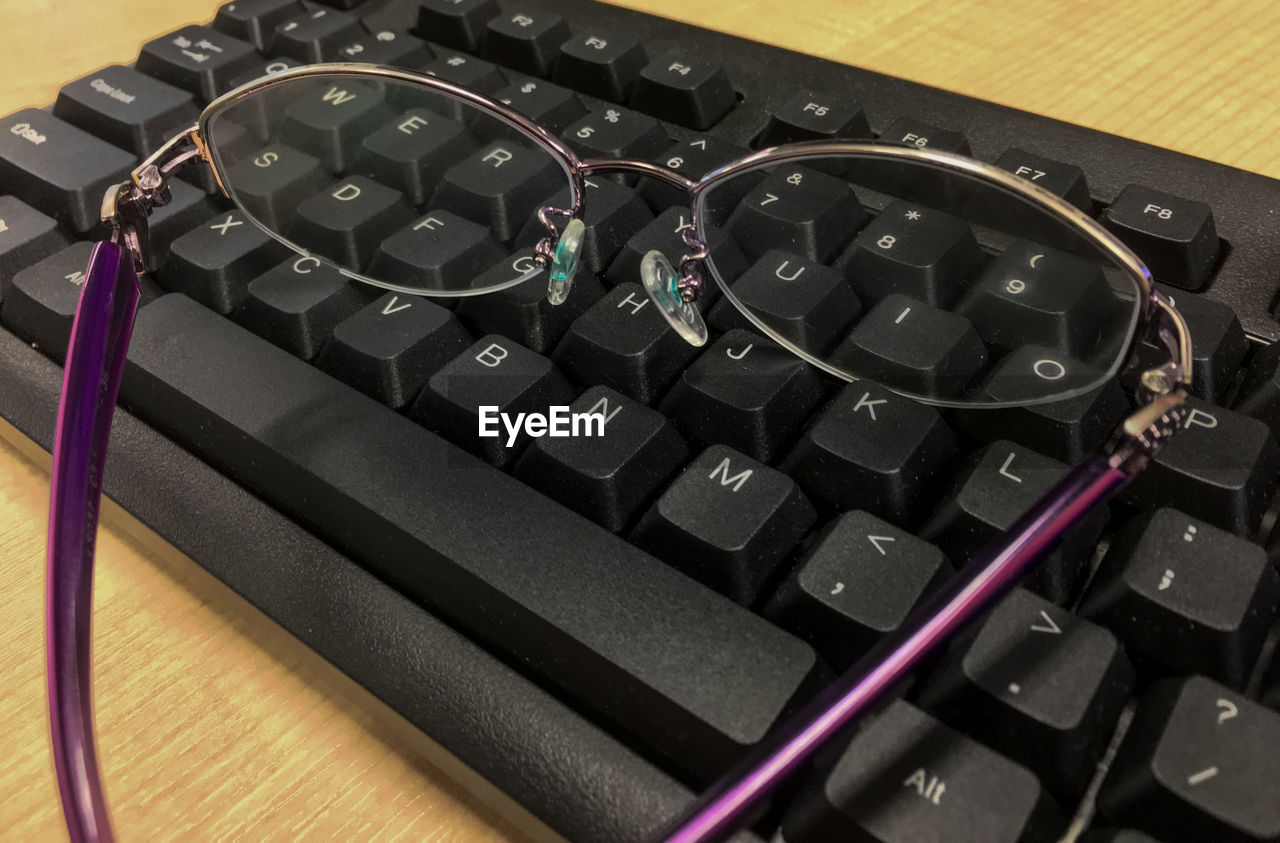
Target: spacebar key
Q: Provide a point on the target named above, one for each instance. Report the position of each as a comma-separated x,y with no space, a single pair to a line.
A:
690,675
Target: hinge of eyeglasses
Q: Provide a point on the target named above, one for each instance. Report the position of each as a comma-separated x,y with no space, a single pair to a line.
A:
126,206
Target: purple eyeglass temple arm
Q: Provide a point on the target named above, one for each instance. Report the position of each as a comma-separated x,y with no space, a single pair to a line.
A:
95,364
990,575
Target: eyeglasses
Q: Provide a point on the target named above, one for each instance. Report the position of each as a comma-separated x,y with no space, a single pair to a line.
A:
942,278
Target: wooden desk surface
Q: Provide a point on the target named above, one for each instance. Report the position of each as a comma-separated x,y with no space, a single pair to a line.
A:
214,722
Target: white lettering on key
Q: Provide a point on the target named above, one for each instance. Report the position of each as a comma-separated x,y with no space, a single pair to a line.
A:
1004,469
76,278
410,123
1204,775
229,222
636,305
495,353
24,131
429,223
346,193
740,354
498,156
930,787
3,227
601,409
103,87
391,307
725,480
1048,626
875,542
870,403
338,96
1200,418
793,276
300,262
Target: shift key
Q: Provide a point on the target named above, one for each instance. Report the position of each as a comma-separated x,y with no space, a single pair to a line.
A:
684,671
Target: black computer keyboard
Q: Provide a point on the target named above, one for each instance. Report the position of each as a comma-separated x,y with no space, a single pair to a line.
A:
537,610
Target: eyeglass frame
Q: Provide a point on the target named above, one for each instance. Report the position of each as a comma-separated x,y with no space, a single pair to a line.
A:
94,367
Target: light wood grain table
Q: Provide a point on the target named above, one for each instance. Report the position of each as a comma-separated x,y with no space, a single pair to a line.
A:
214,723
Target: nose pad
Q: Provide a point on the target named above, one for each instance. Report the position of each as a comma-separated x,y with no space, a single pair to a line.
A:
564,262
660,281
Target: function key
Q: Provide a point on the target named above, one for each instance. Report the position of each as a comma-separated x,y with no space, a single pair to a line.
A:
809,115
254,20
315,36
922,135
456,23
395,49
684,89
526,40
604,65
1200,762
1175,237
1065,180
126,108
197,59
57,168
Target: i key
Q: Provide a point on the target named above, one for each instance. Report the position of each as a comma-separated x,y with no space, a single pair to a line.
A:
494,376
1002,481
727,521
1185,596
214,263
390,347
798,209
197,59
1038,684
746,392
913,250
875,450
1200,762
609,474
855,584
907,777
922,135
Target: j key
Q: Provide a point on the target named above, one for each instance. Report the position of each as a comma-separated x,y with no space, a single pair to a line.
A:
273,182
602,64
809,115
126,108
666,234
623,343
315,36
495,375
1065,180
678,668
914,347
348,220
682,87
389,348
501,185
1033,294
197,59
435,252
187,207
912,250
1185,596
26,236
1259,393
1200,762
297,304
395,49
412,152
612,213
254,20
921,135
330,121
214,263
1039,685
525,40
804,301
607,476
1001,482
522,311
467,71
550,106
872,449
745,392
1065,429
1175,237
800,210
616,133
57,168
855,584
1222,467
41,300
906,777
727,521
1218,346
456,23
693,159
